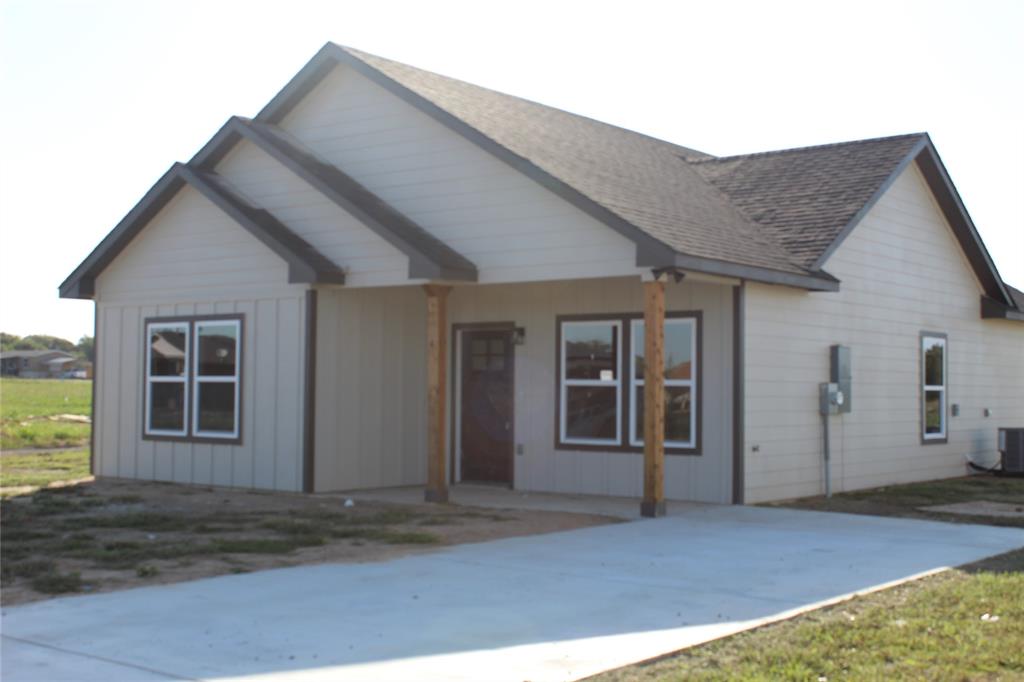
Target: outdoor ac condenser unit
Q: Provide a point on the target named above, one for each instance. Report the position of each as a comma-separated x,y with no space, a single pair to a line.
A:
1011,446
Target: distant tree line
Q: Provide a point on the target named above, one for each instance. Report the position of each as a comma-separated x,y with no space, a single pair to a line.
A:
83,349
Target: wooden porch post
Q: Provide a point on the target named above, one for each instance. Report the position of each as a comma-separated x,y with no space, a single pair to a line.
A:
437,322
654,398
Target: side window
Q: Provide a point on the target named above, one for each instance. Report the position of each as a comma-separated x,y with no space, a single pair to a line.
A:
167,355
933,387
193,378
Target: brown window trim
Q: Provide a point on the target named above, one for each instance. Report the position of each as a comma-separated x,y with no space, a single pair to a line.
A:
945,383
626,343
191,320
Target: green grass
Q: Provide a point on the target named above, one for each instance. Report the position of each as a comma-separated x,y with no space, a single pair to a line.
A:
24,398
26,406
931,629
41,469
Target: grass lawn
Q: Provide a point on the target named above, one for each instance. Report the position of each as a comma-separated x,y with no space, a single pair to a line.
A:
44,413
41,469
962,624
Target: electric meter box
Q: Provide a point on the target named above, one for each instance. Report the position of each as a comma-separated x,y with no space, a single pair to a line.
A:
841,373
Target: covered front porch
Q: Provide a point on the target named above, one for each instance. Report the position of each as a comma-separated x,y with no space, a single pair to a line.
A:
617,387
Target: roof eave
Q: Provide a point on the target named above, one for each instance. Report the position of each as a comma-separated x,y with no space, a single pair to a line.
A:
819,281
994,310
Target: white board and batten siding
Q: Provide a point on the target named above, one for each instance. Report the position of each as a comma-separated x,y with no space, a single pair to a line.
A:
192,259
509,226
371,408
902,273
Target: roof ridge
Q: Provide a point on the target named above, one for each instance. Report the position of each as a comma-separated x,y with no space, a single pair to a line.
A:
359,54
830,145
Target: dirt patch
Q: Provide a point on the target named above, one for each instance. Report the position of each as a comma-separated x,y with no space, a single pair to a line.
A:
105,535
980,508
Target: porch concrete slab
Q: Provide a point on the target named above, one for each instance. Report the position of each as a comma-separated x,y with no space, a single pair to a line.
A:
496,497
550,607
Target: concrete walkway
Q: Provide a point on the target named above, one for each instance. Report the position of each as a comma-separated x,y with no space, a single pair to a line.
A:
550,607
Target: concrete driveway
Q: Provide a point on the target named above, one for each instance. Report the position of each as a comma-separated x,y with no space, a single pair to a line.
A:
552,607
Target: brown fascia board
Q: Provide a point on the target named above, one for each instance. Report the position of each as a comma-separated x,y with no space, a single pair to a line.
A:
650,252
953,209
994,310
304,263
429,257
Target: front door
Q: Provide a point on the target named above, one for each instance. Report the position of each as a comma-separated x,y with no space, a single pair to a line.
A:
486,395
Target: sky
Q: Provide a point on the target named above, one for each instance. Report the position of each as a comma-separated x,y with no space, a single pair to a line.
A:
100,98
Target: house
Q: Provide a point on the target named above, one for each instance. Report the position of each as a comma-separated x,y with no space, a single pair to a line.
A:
389,277
35,363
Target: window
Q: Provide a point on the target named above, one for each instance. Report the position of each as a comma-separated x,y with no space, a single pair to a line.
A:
193,377
680,383
601,382
933,387
166,380
591,385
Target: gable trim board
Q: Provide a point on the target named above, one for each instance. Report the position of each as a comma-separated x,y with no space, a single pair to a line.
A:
305,264
429,257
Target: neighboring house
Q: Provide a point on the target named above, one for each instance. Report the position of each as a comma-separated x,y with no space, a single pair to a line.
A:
389,277
36,364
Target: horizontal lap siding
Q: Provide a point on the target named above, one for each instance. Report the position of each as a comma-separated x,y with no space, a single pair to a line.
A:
902,273
186,245
505,223
367,259
371,419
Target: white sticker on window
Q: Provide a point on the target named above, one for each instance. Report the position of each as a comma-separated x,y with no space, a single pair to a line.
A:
607,375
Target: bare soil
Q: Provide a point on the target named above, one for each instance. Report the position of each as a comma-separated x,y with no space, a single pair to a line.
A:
104,535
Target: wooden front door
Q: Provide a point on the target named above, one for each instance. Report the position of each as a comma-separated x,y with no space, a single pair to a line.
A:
486,395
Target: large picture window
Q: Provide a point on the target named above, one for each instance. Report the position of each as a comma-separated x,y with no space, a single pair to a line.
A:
933,387
193,378
601,382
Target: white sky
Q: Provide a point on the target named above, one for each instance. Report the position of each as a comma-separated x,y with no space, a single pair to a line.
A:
99,98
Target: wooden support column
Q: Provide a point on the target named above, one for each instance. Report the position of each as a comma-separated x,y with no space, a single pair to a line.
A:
654,398
437,323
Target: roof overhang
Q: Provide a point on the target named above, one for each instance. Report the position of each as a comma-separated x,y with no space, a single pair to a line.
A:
305,264
994,310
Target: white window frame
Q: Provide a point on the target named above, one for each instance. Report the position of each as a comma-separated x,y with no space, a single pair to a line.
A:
152,327
198,379
565,383
636,439
927,341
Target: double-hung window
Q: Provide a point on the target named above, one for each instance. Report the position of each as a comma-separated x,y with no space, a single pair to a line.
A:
601,382
590,385
680,349
167,353
193,378
933,387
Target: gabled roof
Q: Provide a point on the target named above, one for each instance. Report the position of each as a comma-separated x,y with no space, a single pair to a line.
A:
429,257
635,184
305,264
772,217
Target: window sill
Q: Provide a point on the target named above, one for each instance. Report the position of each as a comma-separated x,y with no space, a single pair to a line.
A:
624,449
200,440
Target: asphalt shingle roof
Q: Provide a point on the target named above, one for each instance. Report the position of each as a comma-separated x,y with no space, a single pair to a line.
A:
641,179
805,197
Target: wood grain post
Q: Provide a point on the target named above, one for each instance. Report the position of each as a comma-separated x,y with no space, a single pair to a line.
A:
654,399
437,322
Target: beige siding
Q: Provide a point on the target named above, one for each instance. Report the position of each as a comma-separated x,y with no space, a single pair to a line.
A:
199,262
902,273
368,260
371,407
509,226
